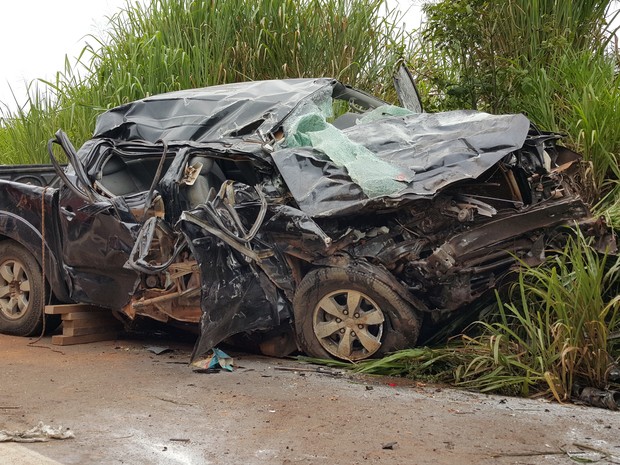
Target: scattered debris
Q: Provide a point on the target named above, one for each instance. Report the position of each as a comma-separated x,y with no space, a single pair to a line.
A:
212,364
600,398
389,445
39,433
585,454
157,350
595,454
172,401
528,454
320,370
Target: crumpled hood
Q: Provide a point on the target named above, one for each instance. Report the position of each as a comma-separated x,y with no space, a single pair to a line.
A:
428,152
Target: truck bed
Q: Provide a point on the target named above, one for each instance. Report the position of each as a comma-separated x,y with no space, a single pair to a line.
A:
38,175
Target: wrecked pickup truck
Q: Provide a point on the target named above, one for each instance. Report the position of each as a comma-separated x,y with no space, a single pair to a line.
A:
302,212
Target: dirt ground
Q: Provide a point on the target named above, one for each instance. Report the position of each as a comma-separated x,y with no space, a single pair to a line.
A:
127,405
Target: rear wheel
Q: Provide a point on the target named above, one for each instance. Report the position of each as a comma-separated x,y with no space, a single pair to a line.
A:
21,291
351,315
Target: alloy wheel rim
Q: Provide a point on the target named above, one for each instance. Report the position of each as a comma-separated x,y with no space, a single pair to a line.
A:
14,289
348,324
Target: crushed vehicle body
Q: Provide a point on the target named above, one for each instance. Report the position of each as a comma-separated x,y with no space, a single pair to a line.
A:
302,212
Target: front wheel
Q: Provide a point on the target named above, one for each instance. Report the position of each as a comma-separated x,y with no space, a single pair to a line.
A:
351,315
21,291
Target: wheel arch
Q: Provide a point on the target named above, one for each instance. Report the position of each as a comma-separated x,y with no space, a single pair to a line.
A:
379,272
16,229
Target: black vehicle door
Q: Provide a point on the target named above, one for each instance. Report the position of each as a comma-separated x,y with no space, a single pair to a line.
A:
97,235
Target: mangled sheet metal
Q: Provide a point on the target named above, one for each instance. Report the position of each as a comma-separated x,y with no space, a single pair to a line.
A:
231,111
302,208
413,156
245,283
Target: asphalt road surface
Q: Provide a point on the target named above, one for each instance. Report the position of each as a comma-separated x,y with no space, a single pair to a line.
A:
126,405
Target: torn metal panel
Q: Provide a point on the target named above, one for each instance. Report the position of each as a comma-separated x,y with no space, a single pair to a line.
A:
245,277
428,152
236,296
478,241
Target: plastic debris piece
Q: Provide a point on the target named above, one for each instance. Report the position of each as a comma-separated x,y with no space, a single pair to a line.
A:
39,433
600,398
218,359
389,445
157,350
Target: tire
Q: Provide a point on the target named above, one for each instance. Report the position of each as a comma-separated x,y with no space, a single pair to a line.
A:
21,291
351,315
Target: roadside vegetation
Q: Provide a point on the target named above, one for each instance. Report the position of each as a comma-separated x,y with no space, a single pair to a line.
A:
170,45
556,61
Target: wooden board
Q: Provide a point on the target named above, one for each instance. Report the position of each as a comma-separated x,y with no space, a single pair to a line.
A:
62,340
70,308
83,323
88,316
95,323
86,331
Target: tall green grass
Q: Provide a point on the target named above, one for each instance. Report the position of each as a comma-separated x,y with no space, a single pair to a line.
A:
24,132
486,48
168,45
555,334
579,95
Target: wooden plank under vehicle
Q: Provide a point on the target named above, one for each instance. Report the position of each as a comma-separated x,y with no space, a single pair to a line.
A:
82,323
